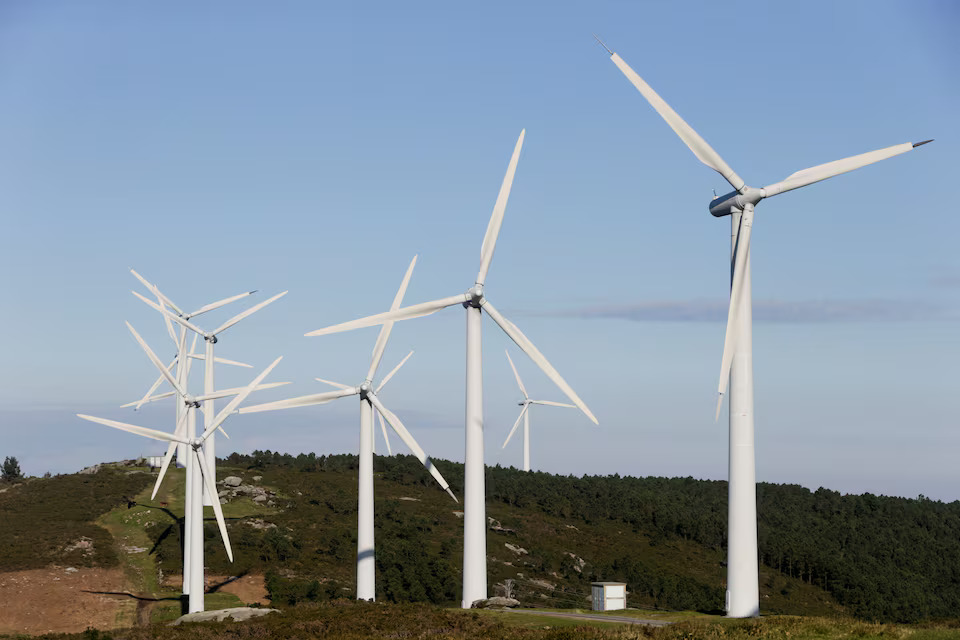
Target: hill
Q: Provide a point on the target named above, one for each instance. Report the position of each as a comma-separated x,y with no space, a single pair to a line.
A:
877,558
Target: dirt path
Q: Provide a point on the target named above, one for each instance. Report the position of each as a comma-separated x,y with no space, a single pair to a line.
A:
61,599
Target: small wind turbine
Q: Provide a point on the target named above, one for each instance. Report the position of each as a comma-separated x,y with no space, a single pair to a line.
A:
736,367
200,479
369,402
474,516
525,416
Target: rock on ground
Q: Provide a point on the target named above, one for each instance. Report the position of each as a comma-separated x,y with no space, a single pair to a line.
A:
236,614
496,601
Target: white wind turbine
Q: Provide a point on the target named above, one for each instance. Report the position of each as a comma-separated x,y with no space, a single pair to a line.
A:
736,365
525,416
369,402
210,337
183,367
200,476
474,519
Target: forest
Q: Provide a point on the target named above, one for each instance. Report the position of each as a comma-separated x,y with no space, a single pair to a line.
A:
877,558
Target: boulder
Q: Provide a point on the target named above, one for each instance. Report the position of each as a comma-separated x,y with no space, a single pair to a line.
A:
232,481
496,601
235,614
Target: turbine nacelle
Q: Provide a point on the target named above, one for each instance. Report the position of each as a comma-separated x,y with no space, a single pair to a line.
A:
735,201
476,296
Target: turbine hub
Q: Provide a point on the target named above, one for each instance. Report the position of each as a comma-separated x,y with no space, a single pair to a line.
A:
365,390
476,295
211,339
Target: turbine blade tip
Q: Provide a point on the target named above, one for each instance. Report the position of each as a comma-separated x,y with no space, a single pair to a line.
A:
716,418
602,44
452,496
920,144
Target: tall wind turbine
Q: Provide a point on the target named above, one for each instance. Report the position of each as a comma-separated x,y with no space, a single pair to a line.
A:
474,517
200,479
210,337
525,416
369,402
736,366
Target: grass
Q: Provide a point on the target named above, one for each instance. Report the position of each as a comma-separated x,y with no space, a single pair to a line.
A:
351,620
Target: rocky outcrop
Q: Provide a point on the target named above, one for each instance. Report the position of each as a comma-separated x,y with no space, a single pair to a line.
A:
236,614
496,601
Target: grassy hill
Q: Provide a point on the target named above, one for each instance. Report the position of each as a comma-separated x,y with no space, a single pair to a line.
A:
823,554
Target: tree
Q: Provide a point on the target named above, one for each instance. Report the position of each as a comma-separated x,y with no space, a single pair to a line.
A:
11,469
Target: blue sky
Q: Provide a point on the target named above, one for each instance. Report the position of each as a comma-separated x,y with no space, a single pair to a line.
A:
316,147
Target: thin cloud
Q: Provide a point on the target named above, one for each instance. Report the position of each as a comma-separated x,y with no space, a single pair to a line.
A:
774,311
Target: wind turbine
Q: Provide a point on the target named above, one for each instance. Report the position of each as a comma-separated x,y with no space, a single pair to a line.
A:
369,402
210,337
474,517
736,366
200,477
525,415
180,341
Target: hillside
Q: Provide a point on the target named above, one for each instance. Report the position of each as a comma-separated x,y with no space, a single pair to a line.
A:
823,554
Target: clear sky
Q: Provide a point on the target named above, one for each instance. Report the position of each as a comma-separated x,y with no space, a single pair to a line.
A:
316,147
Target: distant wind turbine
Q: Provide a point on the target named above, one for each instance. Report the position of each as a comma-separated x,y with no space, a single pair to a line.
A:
525,416
369,402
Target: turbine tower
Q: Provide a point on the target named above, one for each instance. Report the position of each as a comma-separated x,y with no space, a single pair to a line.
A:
736,365
369,402
475,300
525,415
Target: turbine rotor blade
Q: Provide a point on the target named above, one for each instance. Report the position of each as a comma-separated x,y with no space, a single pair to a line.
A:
386,378
496,218
517,376
522,341
219,360
383,428
171,448
219,303
156,361
132,428
156,384
413,311
334,384
240,316
240,397
172,316
167,458
736,288
226,393
515,425
146,399
301,401
387,327
208,483
411,443
820,172
704,152
551,403
156,291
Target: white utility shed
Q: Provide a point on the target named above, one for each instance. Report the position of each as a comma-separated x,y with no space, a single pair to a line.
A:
609,596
